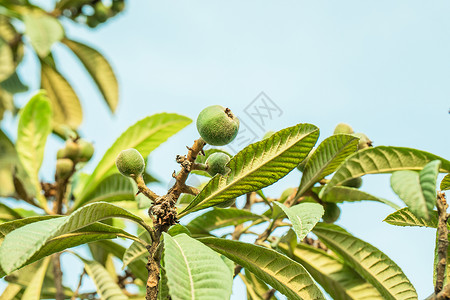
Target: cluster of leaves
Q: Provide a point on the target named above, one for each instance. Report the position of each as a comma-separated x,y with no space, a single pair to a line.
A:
201,259
22,22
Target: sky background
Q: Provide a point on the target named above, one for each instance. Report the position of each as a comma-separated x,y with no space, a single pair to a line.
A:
383,67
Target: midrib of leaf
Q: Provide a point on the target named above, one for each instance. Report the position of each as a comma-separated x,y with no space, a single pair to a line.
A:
191,282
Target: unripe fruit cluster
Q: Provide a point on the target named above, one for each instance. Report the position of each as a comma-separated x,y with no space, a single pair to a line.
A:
217,125
364,141
130,163
77,151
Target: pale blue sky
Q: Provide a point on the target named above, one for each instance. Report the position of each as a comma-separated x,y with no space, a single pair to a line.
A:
381,66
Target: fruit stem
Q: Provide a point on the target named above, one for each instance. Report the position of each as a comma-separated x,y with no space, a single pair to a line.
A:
144,189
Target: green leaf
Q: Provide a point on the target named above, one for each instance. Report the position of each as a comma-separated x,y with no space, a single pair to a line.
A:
258,165
13,84
7,227
163,292
256,288
383,159
34,127
282,273
107,288
339,194
404,217
372,264
136,267
145,136
303,216
99,69
66,105
185,259
340,281
7,65
137,251
8,214
43,31
33,237
445,183
88,234
11,291
326,159
33,291
115,187
417,189
219,218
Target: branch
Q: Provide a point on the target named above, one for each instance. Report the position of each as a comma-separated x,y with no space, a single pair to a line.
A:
57,273
75,294
144,189
442,229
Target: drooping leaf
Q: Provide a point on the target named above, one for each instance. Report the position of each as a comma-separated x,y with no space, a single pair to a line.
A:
303,216
339,194
417,189
256,288
137,267
372,264
219,218
66,105
257,166
445,183
43,31
11,291
285,275
99,69
137,251
326,159
33,237
145,136
34,127
404,217
339,280
383,159
13,84
33,291
115,187
8,214
107,288
188,268
7,65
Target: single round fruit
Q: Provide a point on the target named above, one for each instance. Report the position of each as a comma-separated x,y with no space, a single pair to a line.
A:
215,163
332,213
64,167
130,163
364,141
343,128
61,153
101,12
353,182
86,150
72,150
91,21
301,166
217,125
